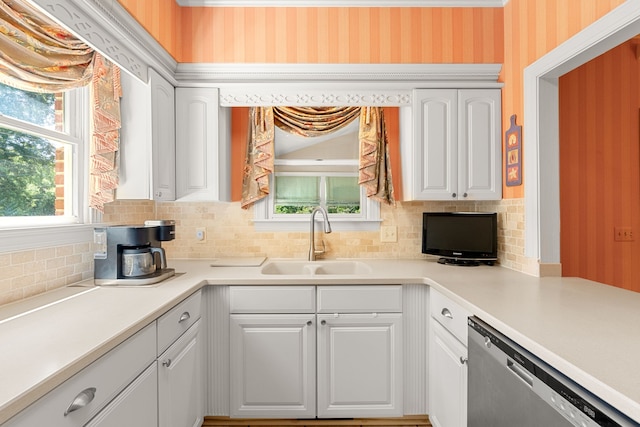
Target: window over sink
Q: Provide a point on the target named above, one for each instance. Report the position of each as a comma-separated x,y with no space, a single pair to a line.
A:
316,171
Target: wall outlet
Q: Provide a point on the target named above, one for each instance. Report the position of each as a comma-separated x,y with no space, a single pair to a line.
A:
388,233
201,235
623,234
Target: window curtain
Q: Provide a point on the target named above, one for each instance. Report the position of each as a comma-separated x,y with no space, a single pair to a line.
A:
38,55
374,169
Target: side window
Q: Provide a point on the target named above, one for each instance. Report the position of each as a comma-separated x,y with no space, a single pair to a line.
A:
39,157
317,171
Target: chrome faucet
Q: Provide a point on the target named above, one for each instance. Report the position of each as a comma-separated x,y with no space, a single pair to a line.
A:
327,229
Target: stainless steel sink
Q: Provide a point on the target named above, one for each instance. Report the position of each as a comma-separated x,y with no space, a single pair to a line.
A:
315,268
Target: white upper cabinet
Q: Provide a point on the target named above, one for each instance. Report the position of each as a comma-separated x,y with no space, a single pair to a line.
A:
163,137
135,139
455,149
202,148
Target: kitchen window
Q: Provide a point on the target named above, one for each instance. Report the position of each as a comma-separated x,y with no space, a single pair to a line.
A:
42,160
316,171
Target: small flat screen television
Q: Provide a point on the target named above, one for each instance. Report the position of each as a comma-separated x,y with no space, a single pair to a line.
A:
461,238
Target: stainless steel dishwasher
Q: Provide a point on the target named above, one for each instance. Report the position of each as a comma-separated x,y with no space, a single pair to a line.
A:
510,387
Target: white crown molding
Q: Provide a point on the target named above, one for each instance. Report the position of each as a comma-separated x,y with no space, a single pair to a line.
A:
331,84
341,3
111,30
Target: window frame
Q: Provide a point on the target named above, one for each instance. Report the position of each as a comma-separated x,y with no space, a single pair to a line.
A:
22,233
265,219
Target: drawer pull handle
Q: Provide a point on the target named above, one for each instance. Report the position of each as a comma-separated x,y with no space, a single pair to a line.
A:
185,316
446,313
166,363
81,400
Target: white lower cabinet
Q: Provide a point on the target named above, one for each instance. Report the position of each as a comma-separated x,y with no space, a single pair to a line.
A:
345,354
137,405
100,390
180,388
447,363
131,385
273,365
359,365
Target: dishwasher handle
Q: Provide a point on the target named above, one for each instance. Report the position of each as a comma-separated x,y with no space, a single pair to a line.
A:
520,372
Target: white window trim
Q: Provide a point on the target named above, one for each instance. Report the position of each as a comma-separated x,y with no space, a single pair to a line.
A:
266,220
39,232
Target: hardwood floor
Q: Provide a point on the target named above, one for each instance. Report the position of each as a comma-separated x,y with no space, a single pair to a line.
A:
407,421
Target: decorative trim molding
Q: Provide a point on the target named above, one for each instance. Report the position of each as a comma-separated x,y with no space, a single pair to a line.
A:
188,73
342,3
110,29
331,84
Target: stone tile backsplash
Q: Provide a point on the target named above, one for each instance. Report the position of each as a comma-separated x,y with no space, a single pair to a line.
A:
230,232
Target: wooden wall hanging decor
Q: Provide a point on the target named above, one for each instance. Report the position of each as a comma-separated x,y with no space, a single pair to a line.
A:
513,154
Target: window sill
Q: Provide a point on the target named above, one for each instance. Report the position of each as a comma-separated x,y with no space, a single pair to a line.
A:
21,239
302,224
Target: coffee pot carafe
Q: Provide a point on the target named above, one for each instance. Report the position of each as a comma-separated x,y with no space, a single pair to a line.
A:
132,255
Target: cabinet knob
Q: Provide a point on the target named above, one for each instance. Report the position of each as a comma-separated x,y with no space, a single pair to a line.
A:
185,316
81,400
166,363
323,322
446,313
463,360
309,323
454,195
464,195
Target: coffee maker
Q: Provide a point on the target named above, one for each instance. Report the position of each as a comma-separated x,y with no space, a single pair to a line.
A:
132,255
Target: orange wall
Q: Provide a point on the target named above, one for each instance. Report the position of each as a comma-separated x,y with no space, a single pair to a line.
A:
161,18
600,170
341,35
532,29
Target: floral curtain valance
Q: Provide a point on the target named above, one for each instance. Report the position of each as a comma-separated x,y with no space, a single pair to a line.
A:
38,55
374,164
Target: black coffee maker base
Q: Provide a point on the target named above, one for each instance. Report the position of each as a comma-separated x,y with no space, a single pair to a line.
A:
157,277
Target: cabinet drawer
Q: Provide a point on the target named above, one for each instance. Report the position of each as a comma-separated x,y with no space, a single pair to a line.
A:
360,299
450,315
97,385
272,299
176,321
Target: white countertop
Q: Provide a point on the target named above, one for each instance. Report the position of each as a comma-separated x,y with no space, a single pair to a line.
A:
588,331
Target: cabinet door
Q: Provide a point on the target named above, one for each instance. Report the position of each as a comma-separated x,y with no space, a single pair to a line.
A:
180,390
135,140
435,142
447,379
480,149
273,365
163,137
360,365
137,405
201,155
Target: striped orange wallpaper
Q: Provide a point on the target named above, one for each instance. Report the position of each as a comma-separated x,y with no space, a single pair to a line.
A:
341,35
532,28
600,168
160,18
